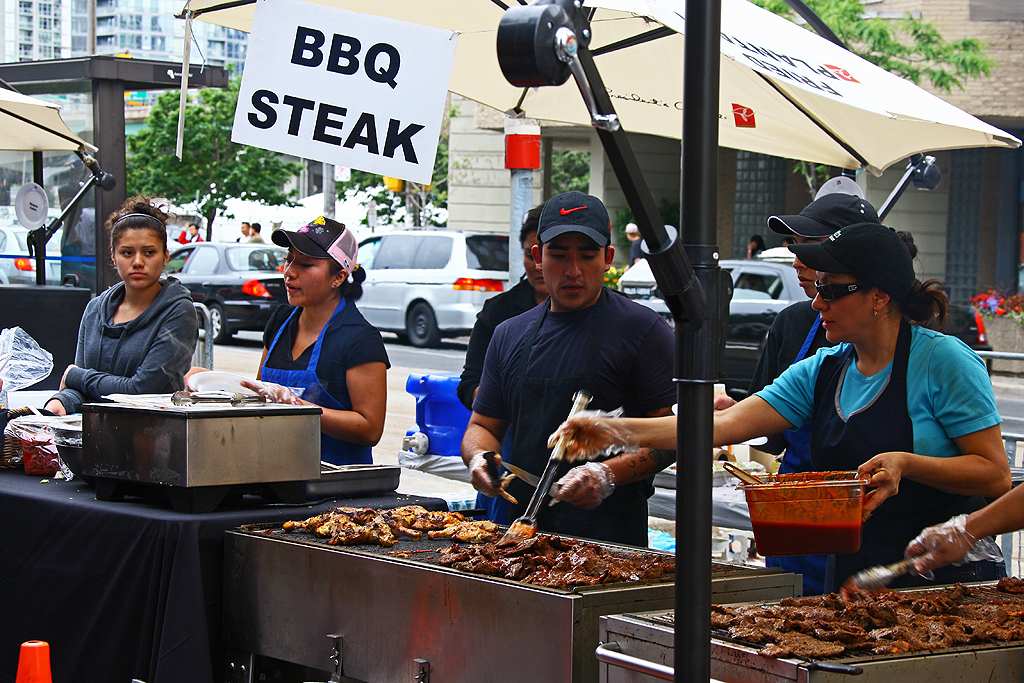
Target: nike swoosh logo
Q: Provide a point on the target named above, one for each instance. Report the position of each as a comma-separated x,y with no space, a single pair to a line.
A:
566,212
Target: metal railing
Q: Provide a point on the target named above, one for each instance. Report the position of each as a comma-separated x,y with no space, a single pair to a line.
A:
203,355
1001,355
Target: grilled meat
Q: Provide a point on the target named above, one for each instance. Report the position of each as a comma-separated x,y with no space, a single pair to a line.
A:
358,526
887,623
483,531
557,562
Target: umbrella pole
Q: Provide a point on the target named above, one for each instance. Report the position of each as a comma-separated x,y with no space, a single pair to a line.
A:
697,353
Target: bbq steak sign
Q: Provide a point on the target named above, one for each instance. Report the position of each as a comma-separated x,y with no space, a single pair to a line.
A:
344,88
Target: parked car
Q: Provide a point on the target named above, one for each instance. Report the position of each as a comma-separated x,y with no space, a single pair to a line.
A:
240,284
761,289
16,266
427,284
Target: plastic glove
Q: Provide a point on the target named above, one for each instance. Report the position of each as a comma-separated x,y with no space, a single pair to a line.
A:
950,543
480,478
587,485
275,392
590,435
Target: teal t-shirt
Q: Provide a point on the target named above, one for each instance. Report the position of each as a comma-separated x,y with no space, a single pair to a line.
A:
949,393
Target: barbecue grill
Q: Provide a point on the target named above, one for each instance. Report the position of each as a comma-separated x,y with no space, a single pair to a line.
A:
367,613
649,637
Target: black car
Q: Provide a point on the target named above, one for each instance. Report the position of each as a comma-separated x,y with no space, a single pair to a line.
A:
762,288
240,284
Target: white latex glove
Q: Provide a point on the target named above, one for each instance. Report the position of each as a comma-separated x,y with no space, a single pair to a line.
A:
275,392
480,477
587,485
949,543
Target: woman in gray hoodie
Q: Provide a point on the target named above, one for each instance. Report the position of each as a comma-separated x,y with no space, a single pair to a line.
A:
138,336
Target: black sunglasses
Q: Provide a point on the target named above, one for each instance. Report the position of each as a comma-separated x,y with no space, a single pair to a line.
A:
833,292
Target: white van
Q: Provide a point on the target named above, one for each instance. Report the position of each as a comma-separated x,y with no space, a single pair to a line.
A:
428,284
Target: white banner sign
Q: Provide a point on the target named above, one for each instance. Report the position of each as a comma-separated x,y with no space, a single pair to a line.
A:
344,88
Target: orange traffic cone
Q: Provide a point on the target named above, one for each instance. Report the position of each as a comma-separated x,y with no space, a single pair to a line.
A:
34,663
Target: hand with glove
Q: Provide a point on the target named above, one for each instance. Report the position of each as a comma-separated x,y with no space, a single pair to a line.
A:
480,474
587,485
950,543
275,393
592,433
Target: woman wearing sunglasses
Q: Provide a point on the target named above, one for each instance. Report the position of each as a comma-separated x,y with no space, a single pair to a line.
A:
909,407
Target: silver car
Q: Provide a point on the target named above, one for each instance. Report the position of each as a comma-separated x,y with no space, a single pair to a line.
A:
16,266
760,290
427,284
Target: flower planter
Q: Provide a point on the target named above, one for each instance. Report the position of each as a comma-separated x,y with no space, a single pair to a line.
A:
1006,335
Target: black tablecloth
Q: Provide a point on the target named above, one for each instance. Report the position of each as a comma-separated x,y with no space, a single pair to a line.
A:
122,590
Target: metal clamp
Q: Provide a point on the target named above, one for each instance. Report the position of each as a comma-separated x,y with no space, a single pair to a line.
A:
422,671
566,48
184,398
337,657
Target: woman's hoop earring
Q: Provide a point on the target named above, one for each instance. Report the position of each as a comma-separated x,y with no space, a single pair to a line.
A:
875,311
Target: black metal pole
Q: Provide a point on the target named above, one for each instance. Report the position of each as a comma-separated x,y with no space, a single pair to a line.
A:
695,365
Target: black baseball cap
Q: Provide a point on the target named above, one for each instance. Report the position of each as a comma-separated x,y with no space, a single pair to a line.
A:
825,215
321,238
871,252
575,212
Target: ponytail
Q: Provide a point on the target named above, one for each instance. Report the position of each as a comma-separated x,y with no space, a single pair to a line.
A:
352,288
926,305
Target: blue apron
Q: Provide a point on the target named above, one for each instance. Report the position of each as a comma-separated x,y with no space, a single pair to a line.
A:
798,459
331,450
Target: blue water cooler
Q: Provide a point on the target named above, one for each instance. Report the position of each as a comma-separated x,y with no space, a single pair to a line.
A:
441,418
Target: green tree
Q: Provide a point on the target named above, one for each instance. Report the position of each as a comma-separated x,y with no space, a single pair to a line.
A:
212,169
909,47
569,171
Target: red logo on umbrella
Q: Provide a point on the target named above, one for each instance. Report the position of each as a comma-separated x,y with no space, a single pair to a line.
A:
744,116
842,73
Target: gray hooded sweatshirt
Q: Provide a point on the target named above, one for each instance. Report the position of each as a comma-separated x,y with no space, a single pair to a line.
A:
147,355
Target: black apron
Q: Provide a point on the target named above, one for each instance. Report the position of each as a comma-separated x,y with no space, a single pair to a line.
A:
539,406
884,425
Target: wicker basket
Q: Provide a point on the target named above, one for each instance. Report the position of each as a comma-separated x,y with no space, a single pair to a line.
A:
12,445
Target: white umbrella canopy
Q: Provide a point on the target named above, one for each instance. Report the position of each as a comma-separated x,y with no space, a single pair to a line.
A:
29,124
784,90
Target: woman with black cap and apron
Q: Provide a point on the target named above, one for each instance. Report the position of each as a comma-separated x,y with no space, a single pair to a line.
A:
320,350
909,407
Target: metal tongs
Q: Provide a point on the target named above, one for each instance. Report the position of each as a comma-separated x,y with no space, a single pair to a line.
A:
185,398
875,578
526,526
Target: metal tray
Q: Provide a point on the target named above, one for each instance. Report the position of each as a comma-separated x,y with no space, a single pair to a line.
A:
352,480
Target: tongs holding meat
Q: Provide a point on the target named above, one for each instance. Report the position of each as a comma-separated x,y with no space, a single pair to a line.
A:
526,526
874,579
185,398
497,481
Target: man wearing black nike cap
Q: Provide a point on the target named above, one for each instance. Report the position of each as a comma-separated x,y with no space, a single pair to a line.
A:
584,337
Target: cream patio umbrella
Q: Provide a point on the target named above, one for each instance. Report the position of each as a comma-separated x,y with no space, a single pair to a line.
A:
33,125
785,91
